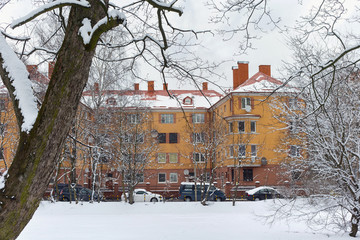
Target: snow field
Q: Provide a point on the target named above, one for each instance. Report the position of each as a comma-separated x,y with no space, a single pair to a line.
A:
162,221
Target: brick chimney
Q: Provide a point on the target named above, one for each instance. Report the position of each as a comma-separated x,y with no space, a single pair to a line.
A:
136,86
266,69
96,87
165,86
205,86
51,66
151,86
240,73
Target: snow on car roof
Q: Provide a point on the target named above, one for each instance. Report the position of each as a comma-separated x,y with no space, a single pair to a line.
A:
252,191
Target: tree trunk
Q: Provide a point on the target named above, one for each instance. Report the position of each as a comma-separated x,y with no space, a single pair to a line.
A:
354,225
38,151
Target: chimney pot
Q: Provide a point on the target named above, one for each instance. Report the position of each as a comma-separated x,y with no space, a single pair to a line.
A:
205,86
240,73
266,69
96,87
151,86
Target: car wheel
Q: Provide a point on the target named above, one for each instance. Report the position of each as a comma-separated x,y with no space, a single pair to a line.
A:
218,199
257,199
154,200
187,199
65,199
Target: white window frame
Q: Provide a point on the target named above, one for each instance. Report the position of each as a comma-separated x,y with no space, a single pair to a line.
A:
199,156
198,118
231,127
294,151
173,175
158,158
245,102
133,118
242,154
253,151
167,118
176,157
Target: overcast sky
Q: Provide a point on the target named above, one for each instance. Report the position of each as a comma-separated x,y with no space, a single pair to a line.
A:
271,49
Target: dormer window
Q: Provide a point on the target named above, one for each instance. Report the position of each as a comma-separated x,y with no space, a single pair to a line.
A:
187,101
111,101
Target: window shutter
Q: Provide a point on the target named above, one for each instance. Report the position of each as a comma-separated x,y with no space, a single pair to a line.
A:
159,117
167,158
174,116
178,155
206,117
178,137
191,118
239,102
252,102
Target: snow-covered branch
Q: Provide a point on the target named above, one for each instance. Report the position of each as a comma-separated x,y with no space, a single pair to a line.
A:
15,76
91,34
46,8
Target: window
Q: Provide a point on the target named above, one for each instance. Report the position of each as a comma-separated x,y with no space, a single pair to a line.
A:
139,138
231,151
253,151
248,175
187,101
161,157
111,101
294,151
245,103
133,118
198,118
140,177
162,137
241,126
173,177
231,128
293,126
173,137
162,177
167,118
173,157
198,157
242,150
199,137
253,126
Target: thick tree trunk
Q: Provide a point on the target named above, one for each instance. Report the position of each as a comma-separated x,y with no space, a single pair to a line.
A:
38,151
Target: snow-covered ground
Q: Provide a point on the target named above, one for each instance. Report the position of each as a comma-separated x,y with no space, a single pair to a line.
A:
163,221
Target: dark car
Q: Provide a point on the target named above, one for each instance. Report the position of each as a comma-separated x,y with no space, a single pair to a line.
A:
187,192
82,194
262,193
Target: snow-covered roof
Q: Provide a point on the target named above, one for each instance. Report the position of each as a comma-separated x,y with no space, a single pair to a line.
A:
158,99
262,83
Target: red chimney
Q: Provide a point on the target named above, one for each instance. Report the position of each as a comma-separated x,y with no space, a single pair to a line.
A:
136,87
266,69
151,86
96,87
205,86
51,66
240,74
165,86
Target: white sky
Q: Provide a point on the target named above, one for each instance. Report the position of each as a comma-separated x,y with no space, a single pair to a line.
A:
271,49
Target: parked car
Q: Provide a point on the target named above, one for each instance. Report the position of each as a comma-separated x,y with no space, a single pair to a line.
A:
262,193
141,195
187,192
82,194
